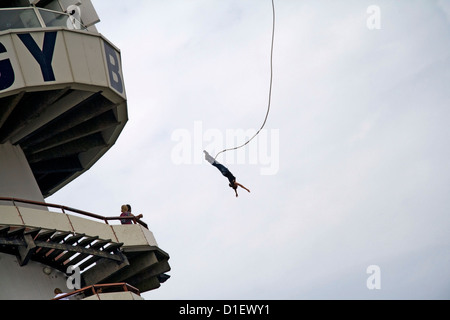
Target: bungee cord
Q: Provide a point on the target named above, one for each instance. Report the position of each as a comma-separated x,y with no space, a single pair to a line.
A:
270,88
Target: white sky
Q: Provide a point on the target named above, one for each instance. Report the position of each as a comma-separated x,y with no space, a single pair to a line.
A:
363,146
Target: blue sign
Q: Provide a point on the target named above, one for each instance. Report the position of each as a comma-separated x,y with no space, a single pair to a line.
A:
113,68
44,58
7,76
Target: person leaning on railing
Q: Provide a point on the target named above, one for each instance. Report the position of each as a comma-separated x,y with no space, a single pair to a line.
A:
126,212
58,293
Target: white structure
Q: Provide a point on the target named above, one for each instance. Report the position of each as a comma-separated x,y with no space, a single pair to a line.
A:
62,106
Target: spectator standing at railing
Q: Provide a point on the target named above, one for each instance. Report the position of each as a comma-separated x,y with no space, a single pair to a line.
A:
126,212
59,293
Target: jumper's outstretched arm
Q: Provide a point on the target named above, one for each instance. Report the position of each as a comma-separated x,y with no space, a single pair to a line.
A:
240,185
236,185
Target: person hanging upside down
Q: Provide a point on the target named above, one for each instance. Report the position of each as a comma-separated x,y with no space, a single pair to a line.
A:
225,172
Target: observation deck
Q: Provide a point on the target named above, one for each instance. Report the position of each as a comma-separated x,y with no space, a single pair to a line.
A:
102,253
62,95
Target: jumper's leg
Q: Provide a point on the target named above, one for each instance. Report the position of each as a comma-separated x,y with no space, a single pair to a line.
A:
208,157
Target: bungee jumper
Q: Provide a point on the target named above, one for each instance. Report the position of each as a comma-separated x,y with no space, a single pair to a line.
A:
225,172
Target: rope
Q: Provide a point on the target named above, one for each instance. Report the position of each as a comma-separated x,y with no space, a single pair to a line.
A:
270,88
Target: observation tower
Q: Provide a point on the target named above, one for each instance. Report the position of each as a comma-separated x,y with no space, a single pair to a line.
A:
63,105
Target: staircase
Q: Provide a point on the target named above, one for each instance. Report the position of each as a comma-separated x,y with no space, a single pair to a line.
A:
102,253
58,249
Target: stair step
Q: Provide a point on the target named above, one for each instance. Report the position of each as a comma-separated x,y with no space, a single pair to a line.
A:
74,239
113,247
60,236
4,231
100,243
16,232
77,259
33,232
87,241
88,262
44,235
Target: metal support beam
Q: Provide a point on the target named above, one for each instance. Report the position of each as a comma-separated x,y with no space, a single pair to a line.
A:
29,109
103,270
141,262
27,250
69,149
8,106
98,124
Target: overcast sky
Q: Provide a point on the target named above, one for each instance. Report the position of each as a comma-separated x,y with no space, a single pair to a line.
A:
351,171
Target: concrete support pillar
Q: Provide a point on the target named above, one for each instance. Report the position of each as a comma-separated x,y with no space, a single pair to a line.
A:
16,178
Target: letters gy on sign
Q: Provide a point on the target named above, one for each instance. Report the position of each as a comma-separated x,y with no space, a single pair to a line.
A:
43,56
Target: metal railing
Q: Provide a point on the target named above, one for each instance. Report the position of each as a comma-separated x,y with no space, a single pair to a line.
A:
99,289
32,17
134,219
18,18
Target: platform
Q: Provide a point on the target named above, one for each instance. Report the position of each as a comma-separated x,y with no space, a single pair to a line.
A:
103,252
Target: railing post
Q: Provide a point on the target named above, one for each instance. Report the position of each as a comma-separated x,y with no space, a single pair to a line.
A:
18,211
